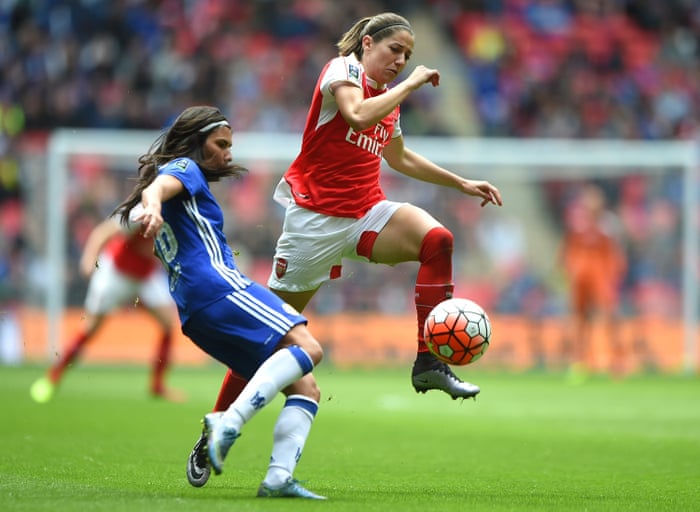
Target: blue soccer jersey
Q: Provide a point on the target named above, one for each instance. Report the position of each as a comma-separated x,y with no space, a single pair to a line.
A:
235,320
192,245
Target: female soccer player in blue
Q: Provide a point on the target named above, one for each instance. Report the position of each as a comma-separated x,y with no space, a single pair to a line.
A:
235,320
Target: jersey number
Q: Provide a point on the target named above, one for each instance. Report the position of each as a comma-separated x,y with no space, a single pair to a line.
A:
166,243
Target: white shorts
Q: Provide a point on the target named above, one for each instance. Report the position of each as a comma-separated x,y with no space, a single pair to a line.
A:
109,289
312,245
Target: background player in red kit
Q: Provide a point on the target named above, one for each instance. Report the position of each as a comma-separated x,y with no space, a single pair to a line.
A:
335,206
595,266
123,271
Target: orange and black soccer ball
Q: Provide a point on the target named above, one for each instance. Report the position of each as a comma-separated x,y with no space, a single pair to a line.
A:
458,331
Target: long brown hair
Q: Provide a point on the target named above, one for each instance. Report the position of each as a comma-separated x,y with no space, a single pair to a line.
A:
185,138
378,27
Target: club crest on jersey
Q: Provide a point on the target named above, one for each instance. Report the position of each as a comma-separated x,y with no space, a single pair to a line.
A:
353,72
280,267
181,164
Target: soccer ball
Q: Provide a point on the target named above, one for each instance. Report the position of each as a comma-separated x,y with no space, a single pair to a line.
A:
457,331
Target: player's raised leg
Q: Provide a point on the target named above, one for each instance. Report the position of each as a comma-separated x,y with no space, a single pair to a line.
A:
284,367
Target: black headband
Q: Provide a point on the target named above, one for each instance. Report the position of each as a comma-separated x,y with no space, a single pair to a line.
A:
394,25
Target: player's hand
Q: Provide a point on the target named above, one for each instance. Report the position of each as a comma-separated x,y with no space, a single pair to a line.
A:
423,75
483,189
150,218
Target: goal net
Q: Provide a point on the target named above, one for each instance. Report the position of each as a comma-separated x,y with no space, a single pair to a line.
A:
507,259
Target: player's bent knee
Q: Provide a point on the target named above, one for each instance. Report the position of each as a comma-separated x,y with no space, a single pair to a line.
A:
301,336
437,241
315,351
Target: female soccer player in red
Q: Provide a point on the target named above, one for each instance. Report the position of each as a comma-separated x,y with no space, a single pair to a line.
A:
122,271
335,206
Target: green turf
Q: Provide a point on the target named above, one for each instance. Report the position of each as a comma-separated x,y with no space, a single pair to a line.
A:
530,442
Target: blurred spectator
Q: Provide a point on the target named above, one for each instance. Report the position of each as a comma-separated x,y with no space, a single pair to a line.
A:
11,284
12,237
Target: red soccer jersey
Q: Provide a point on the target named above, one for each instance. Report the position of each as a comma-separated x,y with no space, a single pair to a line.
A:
337,170
132,254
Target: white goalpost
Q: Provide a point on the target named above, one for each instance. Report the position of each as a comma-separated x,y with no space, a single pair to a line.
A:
505,160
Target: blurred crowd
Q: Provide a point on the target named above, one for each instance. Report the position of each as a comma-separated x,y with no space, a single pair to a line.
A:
133,64
581,68
533,68
557,68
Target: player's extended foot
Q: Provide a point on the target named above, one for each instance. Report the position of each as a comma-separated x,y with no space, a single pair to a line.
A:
42,390
220,439
429,373
577,374
198,469
170,395
290,489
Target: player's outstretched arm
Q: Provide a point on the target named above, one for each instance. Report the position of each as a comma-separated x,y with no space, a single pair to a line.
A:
418,167
96,240
164,187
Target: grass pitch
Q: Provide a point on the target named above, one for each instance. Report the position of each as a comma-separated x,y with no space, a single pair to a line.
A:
529,442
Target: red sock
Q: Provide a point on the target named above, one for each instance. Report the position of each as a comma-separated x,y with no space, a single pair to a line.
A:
160,364
231,387
69,356
434,282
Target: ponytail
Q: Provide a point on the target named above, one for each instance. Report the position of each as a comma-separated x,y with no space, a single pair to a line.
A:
377,27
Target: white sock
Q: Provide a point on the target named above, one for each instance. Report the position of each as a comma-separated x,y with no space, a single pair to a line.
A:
289,436
279,371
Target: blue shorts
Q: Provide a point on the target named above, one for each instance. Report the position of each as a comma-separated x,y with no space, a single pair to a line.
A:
243,329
